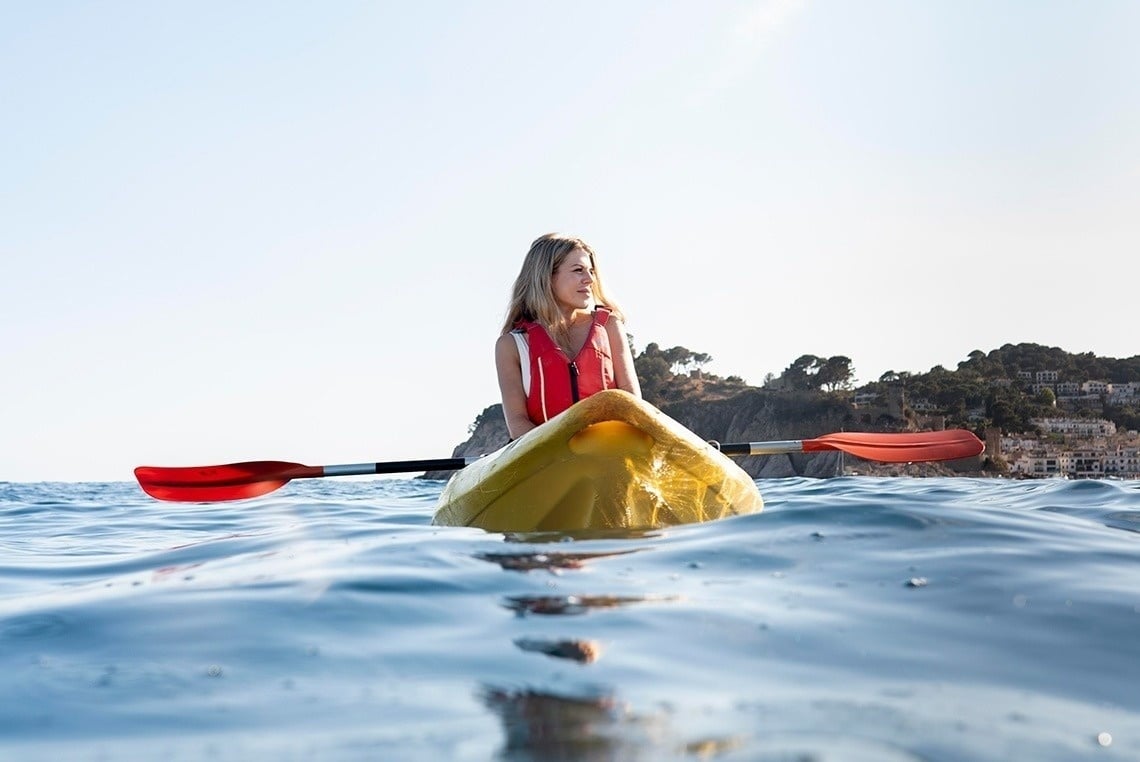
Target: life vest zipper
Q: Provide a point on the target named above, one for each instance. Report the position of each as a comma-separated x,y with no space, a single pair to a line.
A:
574,394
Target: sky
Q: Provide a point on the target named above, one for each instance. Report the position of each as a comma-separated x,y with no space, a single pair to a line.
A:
278,230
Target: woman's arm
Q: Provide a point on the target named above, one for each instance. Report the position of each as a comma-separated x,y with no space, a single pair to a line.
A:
509,369
625,375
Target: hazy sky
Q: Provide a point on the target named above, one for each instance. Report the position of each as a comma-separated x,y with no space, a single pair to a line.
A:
287,230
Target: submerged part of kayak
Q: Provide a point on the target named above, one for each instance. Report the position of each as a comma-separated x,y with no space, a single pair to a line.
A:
612,461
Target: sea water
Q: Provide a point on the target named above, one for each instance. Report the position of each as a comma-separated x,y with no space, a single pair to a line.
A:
856,618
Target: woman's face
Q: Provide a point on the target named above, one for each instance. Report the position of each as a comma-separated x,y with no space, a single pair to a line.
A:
573,282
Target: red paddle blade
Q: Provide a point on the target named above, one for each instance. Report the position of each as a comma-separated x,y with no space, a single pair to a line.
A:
901,448
233,481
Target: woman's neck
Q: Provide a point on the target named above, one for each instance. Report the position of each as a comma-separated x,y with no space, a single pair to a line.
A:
577,317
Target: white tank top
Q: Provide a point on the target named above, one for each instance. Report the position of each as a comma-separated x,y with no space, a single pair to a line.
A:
524,357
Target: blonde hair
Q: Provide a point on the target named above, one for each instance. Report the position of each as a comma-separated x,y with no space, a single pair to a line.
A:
532,298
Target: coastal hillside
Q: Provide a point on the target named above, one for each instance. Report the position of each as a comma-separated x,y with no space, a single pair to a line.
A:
1014,390
748,415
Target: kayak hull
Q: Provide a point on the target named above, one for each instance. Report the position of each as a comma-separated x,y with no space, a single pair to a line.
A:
612,461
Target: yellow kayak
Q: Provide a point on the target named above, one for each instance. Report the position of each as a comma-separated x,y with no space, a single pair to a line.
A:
612,461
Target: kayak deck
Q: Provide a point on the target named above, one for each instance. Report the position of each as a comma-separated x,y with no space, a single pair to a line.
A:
612,461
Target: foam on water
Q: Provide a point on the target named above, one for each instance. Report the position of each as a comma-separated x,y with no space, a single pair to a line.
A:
856,618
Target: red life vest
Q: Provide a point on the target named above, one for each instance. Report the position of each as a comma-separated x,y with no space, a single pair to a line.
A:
556,382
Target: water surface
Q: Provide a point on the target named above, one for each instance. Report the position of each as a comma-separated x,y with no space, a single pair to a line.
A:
855,619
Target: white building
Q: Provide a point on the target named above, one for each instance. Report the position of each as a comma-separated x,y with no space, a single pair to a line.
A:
1041,464
1123,463
1081,464
1124,393
1012,443
1076,427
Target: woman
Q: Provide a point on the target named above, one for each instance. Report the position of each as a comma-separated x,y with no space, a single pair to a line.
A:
563,339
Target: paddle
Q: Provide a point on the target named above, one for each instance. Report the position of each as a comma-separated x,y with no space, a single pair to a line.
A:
950,444
234,481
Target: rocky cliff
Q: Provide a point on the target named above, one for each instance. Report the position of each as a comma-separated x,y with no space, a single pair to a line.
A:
752,415
488,433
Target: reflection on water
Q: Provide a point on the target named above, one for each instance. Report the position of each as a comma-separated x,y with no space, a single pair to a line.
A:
577,535
548,561
543,725
581,651
574,604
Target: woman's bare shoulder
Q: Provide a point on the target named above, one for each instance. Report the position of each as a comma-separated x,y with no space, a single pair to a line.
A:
505,346
615,327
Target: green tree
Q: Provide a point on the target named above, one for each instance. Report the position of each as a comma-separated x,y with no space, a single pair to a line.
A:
701,359
802,374
835,373
679,359
1126,417
653,374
